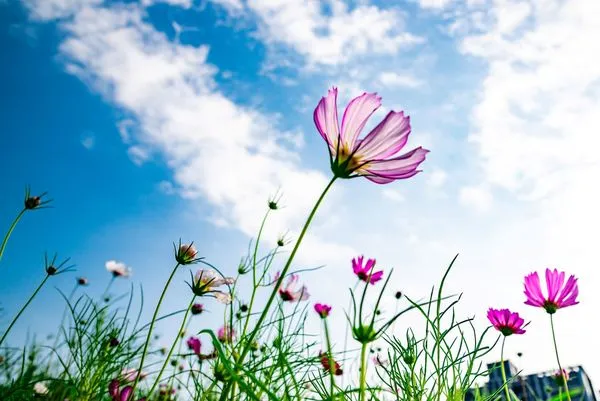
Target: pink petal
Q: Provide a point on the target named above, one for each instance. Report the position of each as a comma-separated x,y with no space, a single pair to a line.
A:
386,139
554,282
405,166
113,388
355,117
326,119
533,290
357,264
126,393
568,291
375,277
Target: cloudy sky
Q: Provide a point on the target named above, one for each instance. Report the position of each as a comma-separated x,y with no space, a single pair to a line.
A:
163,119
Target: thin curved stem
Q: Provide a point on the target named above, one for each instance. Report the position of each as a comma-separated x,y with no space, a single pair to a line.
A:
284,271
10,230
160,300
254,285
560,370
183,323
23,308
331,362
505,385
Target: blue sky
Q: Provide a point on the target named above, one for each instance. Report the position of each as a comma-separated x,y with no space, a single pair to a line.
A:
163,119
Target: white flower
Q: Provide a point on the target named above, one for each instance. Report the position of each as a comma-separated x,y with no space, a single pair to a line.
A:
40,388
118,269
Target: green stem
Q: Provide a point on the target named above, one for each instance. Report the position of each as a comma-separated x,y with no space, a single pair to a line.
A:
162,295
265,311
62,322
10,230
254,286
560,370
23,308
175,342
363,372
505,385
331,362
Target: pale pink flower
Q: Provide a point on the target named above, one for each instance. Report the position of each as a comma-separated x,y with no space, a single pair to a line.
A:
374,156
560,294
130,374
207,280
118,269
289,293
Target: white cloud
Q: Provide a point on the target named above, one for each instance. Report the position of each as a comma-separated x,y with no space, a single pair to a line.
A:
394,79
88,140
229,155
436,178
435,4
393,194
335,38
476,197
55,9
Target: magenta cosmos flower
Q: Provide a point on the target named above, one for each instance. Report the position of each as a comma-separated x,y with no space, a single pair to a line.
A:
194,345
226,334
374,156
323,310
118,394
364,271
506,322
560,294
289,293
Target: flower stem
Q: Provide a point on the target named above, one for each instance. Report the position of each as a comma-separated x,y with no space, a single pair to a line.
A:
162,295
560,370
177,337
505,384
23,308
363,372
10,230
331,362
265,311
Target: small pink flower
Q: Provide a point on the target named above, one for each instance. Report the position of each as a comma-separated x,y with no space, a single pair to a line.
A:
130,374
374,156
194,344
186,254
365,272
561,377
226,334
506,322
560,294
206,282
336,368
197,309
118,394
323,310
118,269
289,292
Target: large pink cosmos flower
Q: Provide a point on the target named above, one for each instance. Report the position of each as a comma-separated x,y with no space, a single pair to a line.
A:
375,155
118,394
506,322
560,294
365,272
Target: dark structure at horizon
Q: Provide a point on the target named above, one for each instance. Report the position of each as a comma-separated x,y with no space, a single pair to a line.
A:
537,386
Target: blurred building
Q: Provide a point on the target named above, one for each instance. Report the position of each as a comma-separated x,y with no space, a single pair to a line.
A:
541,386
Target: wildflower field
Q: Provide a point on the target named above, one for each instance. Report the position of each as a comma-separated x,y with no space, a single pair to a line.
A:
103,351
